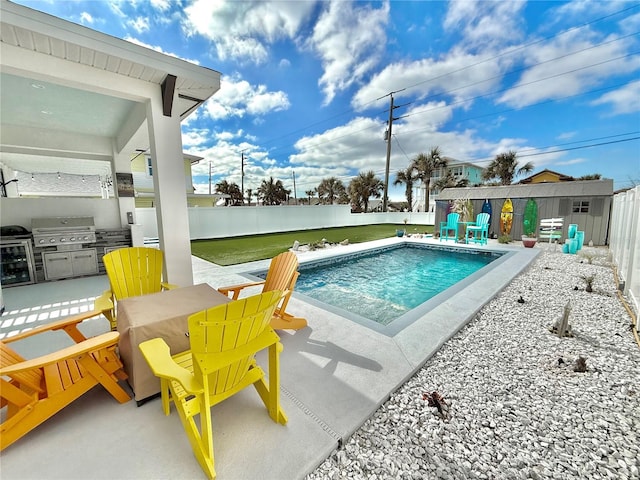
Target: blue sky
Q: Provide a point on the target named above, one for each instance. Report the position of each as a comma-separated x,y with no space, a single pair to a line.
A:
305,84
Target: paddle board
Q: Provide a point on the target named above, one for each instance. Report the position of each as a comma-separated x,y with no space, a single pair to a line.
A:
506,217
530,221
486,208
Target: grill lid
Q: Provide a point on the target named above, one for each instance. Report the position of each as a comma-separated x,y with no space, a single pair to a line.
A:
14,231
61,224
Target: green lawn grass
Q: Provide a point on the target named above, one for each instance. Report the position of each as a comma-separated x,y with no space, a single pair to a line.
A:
231,251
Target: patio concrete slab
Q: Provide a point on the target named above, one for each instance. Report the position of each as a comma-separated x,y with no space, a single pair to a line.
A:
334,375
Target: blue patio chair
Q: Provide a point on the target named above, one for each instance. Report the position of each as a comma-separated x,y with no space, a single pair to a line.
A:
480,229
451,225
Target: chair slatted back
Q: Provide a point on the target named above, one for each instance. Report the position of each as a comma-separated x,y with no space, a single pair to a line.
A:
482,219
281,271
452,220
225,332
30,380
134,271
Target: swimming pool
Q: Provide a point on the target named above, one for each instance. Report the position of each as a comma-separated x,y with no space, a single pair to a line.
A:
404,315
384,284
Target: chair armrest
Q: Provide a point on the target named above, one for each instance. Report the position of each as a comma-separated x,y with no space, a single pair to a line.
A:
236,288
169,286
90,345
158,356
104,301
69,322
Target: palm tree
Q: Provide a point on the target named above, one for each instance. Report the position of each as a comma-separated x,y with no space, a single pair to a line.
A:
408,177
229,188
249,193
272,192
424,165
505,167
330,190
310,194
363,187
591,176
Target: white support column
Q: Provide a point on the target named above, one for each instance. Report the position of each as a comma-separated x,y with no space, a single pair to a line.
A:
170,194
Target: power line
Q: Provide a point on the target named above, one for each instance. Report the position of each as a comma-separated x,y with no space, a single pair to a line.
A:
504,90
526,45
519,155
509,52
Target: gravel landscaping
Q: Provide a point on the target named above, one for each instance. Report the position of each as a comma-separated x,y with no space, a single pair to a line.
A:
515,399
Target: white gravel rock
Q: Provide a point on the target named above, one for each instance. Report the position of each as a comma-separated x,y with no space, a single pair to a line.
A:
518,408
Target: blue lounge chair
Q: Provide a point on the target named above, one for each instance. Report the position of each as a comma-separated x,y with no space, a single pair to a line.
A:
451,225
480,229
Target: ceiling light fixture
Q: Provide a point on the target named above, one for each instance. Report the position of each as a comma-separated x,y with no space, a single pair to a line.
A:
59,176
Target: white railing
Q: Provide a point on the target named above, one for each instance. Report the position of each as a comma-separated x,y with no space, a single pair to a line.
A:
624,241
223,222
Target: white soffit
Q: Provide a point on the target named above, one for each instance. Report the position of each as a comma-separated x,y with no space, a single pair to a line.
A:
25,28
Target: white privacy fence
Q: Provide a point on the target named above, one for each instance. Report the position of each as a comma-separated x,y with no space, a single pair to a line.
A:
625,241
224,222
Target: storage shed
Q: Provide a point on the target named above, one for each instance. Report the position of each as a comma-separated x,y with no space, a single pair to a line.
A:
586,203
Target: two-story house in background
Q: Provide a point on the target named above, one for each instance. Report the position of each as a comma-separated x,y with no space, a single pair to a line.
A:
460,170
142,171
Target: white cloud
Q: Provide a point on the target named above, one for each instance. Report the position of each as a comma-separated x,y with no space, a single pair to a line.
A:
162,5
623,100
566,135
195,137
359,145
571,73
349,38
237,98
243,30
579,8
460,75
485,24
140,24
86,18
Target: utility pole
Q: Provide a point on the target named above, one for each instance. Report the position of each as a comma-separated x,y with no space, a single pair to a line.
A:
385,198
209,177
242,177
295,196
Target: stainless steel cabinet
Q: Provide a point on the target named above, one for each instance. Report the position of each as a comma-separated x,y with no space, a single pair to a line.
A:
16,263
69,264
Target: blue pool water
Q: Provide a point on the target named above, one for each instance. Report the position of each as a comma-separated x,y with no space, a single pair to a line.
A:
385,284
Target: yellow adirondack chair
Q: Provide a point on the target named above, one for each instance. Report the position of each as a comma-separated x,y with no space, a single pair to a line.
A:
34,390
282,275
132,272
220,363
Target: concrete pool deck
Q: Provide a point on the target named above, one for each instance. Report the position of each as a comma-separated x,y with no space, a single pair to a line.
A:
334,375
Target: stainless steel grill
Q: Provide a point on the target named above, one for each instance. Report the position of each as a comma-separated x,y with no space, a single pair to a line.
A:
60,231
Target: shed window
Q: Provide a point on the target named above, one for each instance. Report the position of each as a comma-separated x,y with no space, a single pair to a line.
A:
580,206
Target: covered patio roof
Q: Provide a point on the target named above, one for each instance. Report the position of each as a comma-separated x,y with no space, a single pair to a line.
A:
75,100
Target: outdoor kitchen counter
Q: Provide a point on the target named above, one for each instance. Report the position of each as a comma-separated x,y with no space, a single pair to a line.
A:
162,315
